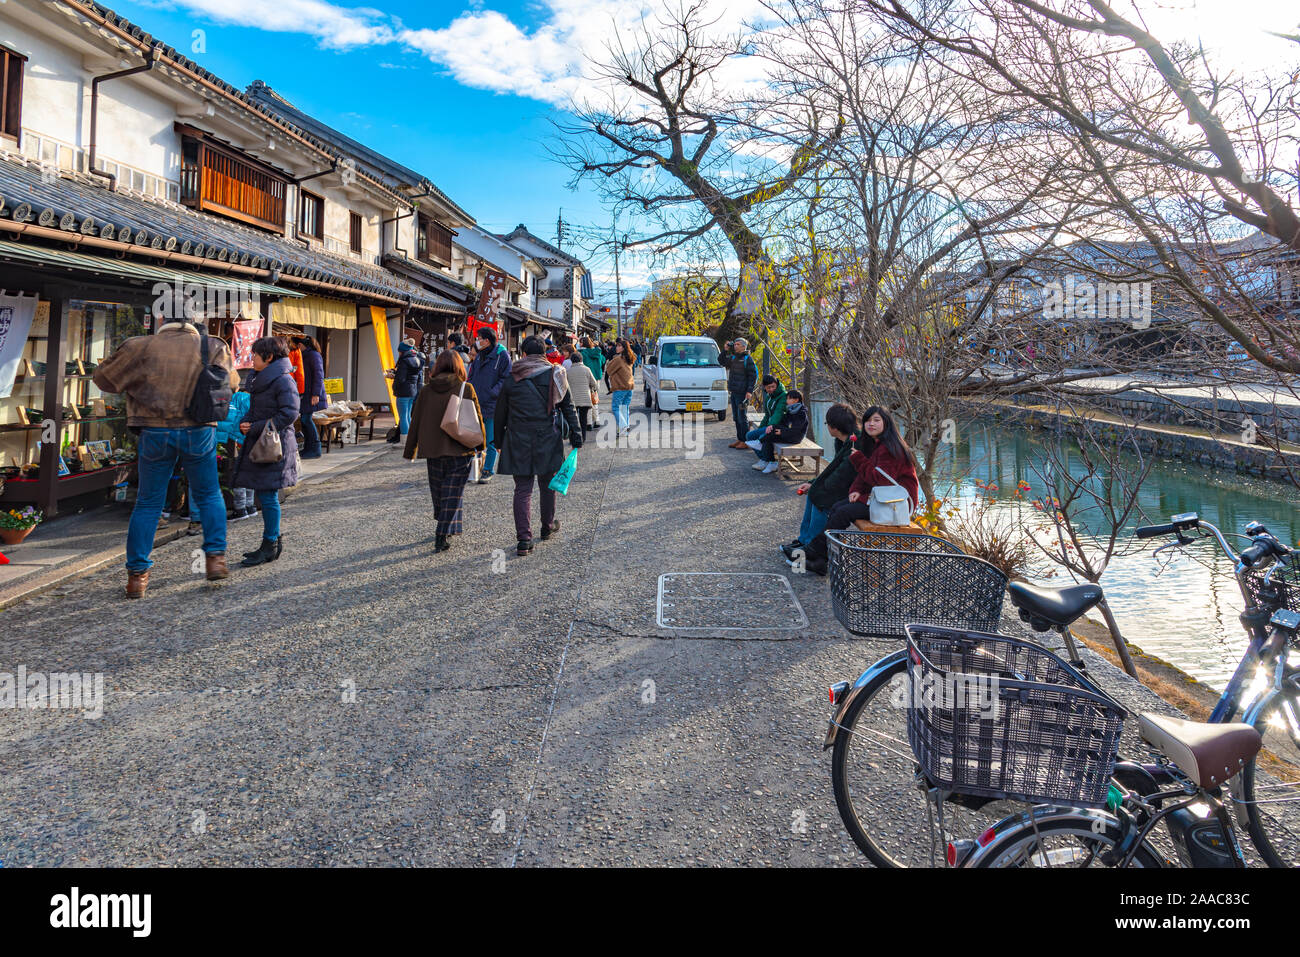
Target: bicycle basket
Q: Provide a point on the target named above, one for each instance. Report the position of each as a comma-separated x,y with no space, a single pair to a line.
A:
1283,591
999,717
880,581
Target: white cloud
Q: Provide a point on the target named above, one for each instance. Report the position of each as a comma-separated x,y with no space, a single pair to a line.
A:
334,26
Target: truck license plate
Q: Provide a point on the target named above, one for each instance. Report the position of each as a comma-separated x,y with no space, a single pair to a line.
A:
694,406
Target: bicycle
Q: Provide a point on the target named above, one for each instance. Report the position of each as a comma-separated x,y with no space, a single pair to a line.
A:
1184,789
868,722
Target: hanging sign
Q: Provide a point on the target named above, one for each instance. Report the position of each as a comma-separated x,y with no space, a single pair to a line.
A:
16,314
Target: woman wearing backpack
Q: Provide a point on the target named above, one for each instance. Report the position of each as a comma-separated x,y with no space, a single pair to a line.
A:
881,450
273,404
532,447
448,461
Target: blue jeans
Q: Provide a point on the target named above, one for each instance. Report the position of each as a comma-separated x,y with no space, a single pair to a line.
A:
621,406
310,437
196,448
270,503
404,403
490,458
767,452
814,521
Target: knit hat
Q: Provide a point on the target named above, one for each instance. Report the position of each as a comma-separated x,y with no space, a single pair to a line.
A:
404,348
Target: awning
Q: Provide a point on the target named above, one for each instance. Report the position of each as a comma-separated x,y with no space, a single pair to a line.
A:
121,269
521,317
316,311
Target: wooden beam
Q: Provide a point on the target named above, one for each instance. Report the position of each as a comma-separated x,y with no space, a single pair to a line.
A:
47,492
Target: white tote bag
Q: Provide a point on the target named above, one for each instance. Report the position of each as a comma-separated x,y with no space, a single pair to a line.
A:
889,504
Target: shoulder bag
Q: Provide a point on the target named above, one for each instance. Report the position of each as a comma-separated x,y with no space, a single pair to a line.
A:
267,448
460,421
889,504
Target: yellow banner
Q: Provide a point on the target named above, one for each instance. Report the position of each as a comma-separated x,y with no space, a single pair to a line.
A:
379,322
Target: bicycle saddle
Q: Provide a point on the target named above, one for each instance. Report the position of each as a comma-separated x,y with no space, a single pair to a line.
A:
1209,754
1044,607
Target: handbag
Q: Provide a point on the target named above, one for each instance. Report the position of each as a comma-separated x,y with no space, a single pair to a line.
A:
267,448
889,504
460,421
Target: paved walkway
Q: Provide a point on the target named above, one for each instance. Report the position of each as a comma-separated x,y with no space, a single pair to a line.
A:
365,701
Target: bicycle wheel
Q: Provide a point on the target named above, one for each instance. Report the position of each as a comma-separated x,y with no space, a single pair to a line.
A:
878,787
1270,786
1061,842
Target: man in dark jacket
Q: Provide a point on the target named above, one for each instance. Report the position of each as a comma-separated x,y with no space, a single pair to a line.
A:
488,374
530,437
789,430
406,377
742,376
832,485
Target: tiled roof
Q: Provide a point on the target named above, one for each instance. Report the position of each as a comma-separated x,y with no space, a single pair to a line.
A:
521,232
79,205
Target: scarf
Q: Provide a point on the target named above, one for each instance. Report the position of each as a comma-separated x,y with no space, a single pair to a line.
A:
529,366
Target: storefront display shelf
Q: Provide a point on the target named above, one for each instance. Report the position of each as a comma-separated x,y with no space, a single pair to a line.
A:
24,490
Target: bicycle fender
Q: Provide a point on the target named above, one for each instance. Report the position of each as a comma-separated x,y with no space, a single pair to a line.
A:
886,663
1039,814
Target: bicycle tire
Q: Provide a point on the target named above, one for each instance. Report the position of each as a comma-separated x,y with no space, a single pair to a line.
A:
1274,826
898,835
1015,848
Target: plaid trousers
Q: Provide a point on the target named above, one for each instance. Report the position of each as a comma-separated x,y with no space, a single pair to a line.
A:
447,477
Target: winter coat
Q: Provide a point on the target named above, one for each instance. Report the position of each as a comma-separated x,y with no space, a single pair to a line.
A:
594,360
773,407
426,438
313,368
229,429
792,428
620,375
299,379
742,374
406,374
273,403
157,374
581,385
901,471
833,484
524,430
488,374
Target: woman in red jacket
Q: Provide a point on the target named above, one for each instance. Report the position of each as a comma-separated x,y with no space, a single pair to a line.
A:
883,450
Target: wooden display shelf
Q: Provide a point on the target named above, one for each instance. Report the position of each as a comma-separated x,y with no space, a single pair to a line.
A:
24,490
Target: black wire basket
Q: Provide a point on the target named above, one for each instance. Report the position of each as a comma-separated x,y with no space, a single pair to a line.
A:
881,581
1280,590
999,717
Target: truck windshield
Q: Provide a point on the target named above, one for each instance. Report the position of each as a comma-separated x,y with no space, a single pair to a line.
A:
691,355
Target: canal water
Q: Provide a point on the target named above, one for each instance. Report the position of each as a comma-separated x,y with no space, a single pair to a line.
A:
1183,609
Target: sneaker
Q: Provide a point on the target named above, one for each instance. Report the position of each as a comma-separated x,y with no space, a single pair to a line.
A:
771,467
162,520
759,465
194,528
789,550
754,444
815,565
485,478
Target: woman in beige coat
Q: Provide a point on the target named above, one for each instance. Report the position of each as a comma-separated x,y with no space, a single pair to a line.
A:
448,461
621,382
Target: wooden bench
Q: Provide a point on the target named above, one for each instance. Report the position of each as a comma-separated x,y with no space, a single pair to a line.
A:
863,525
801,450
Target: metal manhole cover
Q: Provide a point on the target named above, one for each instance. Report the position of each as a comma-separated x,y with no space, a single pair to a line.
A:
721,601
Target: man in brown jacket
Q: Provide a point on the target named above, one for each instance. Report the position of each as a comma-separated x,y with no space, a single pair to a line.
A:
157,374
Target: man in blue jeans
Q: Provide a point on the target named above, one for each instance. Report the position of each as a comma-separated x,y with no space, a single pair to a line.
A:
487,374
157,374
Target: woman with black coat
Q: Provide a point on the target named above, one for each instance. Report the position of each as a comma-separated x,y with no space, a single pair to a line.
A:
528,430
273,404
313,396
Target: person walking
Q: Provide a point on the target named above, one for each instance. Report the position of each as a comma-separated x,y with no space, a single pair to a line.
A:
593,357
273,404
742,377
528,415
488,374
584,392
313,396
231,438
447,460
621,383
157,374
406,375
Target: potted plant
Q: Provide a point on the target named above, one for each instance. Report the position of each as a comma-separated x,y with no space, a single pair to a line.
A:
15,524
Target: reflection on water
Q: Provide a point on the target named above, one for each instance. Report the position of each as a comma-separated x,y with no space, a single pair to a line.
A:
1185,611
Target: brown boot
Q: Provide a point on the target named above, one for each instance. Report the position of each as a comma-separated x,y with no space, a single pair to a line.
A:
216,566
136,583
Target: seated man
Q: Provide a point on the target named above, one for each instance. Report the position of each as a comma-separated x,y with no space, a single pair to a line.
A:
773,412
832,485
791,429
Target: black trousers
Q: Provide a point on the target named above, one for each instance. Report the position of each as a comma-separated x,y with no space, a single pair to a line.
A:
842,515
582,417
738,413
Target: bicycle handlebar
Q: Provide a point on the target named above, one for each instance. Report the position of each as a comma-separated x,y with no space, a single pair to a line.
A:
1151,531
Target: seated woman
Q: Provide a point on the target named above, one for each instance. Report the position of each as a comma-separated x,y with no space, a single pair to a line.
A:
881,448
833,484
789,431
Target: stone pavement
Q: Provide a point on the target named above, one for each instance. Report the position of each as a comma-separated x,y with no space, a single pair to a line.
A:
365,701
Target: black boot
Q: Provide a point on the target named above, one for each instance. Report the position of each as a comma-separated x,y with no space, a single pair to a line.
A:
525,546
551,529
441,544
268,551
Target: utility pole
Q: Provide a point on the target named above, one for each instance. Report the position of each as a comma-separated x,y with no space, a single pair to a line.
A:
618,286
